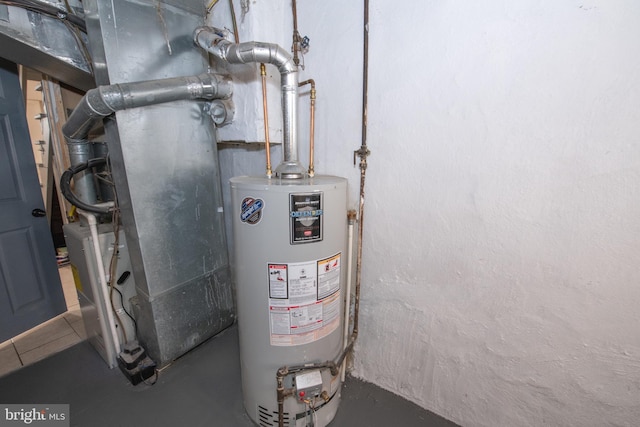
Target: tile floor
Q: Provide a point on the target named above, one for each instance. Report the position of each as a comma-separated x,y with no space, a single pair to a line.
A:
50,337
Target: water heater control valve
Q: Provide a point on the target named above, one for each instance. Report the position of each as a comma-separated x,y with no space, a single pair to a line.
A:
308,385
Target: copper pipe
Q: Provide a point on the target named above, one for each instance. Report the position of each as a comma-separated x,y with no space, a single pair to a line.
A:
268,53
312,131
296,36
363,153
312,122
236,36
263,73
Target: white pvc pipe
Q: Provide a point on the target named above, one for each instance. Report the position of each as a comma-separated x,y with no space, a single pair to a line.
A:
347,304
104,286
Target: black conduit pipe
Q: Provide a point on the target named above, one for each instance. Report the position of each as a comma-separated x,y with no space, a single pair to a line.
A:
65,186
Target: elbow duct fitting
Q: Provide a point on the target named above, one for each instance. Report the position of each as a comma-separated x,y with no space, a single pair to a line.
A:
105,100
211,40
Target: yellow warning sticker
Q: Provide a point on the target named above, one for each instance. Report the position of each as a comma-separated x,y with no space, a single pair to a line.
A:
76,278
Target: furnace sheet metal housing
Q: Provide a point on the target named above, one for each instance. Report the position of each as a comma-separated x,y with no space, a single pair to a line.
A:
290,252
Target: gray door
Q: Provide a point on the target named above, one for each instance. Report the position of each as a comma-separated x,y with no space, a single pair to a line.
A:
30,290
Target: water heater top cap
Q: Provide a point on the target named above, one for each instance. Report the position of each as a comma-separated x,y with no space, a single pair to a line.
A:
290,170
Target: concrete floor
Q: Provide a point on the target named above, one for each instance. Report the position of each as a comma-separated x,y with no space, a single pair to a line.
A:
200,389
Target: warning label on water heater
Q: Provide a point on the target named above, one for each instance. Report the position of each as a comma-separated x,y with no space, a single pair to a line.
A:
304,300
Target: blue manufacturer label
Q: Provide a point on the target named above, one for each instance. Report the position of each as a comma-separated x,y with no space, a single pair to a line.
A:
251,210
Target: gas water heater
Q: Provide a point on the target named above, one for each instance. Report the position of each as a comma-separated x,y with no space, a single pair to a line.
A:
290,244
290,238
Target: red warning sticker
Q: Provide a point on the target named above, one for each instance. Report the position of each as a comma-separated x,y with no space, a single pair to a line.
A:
304,300
278,286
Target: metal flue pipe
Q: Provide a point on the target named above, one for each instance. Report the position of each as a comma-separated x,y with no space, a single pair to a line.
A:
106,100
212,40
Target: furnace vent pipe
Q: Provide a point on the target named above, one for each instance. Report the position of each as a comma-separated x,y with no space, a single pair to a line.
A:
106,100
212,41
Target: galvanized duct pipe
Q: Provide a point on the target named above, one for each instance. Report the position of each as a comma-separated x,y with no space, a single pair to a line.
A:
81,152
212,41
106,100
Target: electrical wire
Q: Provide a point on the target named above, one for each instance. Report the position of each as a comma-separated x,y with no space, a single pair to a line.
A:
75,32
113,265
113,269
115,221
310,412
68,6
211,4
49,10
133,320
313,412
103,176
73,22
307,413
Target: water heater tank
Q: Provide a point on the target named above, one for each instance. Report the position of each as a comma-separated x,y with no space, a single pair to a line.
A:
290,252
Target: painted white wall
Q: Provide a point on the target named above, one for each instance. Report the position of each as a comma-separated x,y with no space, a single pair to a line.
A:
502,230
265,22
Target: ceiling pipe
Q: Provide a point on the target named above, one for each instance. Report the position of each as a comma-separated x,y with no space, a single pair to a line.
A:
212,40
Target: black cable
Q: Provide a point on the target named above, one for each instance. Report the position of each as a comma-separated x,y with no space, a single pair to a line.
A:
113,267
135,324
65,186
